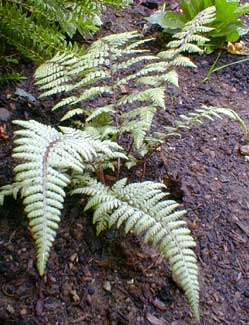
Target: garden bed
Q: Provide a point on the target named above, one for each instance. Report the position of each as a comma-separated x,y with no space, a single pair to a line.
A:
100,280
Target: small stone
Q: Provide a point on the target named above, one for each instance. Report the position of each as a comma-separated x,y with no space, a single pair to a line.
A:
23,311
151,4
153,320
159,304
75,296
5,115
22,93
204,62
244,150
246,293
10,309
233,90
91,291
107,286
74,258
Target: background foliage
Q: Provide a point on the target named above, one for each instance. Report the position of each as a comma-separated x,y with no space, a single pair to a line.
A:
39,28
227,26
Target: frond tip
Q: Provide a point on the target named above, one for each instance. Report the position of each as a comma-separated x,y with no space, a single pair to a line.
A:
144,208
205,112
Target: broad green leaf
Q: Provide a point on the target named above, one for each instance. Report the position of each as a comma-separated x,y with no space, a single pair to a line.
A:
233,37
169,21
226,10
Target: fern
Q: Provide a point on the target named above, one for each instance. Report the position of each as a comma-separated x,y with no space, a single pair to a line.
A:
189,39
36,41
144,208
196,117
97,75
45,157
49,160
79,79
38,29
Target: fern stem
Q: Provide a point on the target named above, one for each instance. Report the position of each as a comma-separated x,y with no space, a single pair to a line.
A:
115,106
101,174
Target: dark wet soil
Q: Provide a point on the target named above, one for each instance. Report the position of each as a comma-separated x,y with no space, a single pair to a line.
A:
113,279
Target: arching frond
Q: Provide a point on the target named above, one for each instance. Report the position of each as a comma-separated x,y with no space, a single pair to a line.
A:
144,208
109,109
197,117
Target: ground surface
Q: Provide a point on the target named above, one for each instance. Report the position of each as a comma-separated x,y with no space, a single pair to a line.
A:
102,280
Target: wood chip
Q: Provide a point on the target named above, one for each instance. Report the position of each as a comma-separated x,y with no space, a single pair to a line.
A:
154,320
244,150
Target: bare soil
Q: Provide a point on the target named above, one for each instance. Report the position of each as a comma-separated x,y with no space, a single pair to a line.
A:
113,279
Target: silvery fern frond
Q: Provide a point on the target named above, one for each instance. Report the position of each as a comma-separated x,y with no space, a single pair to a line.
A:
44,158
116,62
145,209
197,117
189,39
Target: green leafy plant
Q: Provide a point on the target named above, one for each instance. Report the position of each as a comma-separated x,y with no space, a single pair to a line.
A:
8,65
110,107
38,29
7,68
227,26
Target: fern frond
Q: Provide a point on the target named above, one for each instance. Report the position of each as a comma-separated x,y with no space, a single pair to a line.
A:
34,40
170,77
92,92
64,102
110,63
125,65
40,28
10,190
121,39
55,70
154,95
45,156
144,208
138,43
72,113
138,123
189,38
206,112
98,111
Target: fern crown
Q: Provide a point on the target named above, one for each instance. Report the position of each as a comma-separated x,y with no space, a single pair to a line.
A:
128,85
